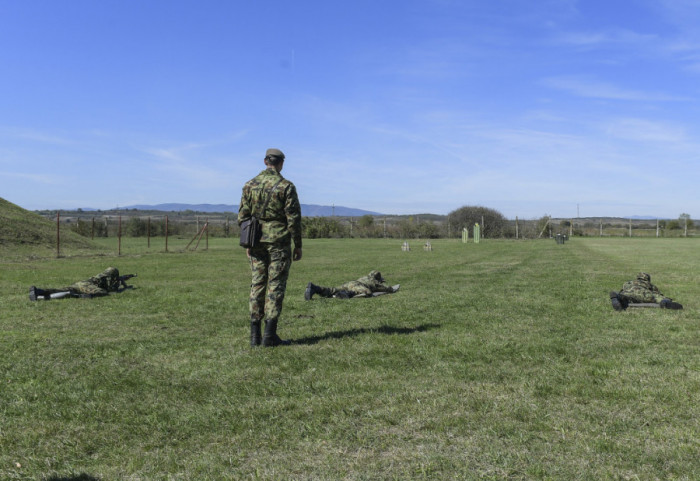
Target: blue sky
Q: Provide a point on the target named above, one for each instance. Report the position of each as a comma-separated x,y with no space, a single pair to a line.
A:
563,107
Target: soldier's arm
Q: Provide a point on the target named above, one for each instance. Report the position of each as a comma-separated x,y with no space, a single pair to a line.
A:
292,210
244,210
383,287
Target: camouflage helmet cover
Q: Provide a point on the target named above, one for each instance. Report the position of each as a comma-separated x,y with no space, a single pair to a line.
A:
643,276
376,275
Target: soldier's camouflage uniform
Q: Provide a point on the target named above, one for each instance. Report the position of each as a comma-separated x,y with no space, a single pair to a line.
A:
362,287
271,258
100,285
641,290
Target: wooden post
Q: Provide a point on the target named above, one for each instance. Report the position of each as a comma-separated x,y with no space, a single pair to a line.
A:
148,232
516,226
119,235
92,230
657,227
198,236
630,227
58,234
601,228
166,233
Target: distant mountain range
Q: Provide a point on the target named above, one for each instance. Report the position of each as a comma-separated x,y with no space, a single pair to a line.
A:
307,210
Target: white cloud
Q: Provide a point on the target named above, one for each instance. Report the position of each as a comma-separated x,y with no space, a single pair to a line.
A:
607,38
37,178
585,87
642,130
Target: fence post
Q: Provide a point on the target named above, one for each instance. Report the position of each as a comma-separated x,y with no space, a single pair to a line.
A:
148,234
119,235
166,233
58,234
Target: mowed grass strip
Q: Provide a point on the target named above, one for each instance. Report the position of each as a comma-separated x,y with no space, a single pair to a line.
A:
502,360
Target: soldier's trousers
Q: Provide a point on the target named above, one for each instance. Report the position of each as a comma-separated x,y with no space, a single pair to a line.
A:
269,264
353,288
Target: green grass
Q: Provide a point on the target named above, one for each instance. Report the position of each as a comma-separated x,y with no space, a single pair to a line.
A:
502,360
27,235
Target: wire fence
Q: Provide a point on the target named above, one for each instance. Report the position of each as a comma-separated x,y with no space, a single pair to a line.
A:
225,225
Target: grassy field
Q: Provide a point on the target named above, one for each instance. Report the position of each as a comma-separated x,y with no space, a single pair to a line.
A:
502,360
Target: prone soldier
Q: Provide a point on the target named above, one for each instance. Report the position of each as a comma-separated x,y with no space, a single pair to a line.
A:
371,285
641,291
102,284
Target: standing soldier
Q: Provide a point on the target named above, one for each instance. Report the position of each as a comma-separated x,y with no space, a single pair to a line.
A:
271,257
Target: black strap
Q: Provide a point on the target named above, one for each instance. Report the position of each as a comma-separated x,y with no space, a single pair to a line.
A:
267,201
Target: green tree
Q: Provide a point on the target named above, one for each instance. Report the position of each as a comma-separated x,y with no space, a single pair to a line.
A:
685,220
323,228
136,227
544,226
492,222
365,221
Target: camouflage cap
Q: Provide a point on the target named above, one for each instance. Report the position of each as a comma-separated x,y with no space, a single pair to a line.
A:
277,153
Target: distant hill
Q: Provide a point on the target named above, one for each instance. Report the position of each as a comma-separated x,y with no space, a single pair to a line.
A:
307,210
22,228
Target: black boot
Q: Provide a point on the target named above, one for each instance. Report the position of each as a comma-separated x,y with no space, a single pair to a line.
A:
270,338
311,289
36,293
255,335
615,300
669,304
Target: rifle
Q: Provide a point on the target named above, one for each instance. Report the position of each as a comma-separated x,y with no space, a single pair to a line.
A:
124,278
